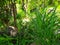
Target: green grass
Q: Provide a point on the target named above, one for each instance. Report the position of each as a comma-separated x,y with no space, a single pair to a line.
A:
45,26
41,30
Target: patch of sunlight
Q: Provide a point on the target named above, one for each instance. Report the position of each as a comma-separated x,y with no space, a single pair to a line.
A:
25,20
17,5
57,31
2,26
58,11
58,8
18,8
49,10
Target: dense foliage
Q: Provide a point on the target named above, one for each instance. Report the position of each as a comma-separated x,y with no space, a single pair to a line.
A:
29,22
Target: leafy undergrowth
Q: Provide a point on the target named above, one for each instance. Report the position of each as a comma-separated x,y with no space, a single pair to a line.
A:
40,30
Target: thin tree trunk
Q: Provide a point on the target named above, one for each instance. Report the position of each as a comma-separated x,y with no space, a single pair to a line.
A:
14,11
